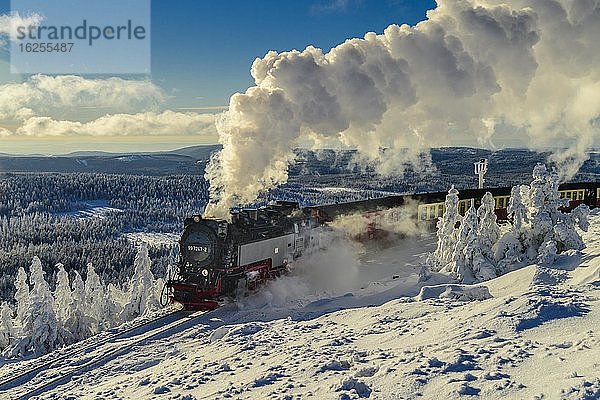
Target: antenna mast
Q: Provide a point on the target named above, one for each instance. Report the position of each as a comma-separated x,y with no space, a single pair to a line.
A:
481,168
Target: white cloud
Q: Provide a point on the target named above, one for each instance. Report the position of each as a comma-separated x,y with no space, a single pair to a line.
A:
166,123
44,95
10,22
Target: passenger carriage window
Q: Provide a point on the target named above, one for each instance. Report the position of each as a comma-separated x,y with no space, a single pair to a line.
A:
568,195
501,202
462,207
431,212
562,195
580,196
440,210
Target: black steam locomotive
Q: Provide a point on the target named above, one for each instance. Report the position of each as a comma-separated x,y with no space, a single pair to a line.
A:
217,256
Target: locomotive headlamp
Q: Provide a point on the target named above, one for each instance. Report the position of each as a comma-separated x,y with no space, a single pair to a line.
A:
196,219
205,272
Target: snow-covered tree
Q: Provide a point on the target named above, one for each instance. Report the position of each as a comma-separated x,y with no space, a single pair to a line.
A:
21,295
469,263
95,299
115,299
79,323
517,212
63,298
141,287
40,326
548,222
488,230
539,229
508,251
7,329
446,232
461,265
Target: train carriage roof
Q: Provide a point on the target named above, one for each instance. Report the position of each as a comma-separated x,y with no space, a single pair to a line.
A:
336,209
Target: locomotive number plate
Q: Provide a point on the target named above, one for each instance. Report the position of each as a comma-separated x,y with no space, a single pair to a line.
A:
200,249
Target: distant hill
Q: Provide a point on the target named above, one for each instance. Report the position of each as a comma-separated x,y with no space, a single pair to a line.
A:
189,160
327,166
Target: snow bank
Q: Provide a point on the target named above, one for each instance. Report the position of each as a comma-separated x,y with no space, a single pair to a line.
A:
454,292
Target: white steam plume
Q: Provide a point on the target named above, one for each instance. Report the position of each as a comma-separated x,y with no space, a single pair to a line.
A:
529,68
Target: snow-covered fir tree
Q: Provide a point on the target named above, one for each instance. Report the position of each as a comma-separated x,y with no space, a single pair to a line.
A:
7,329
510,247
461,265
113,310
95,299
80,324
538,230
21,295
141,287
40,326
63,298
446,232
550,228
469,261
73,311
488,230
516,210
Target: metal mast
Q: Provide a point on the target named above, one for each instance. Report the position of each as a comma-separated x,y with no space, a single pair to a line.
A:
480,170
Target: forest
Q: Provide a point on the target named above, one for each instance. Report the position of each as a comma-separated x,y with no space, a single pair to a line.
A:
53,216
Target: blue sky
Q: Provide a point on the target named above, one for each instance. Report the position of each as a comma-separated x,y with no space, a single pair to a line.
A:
202,50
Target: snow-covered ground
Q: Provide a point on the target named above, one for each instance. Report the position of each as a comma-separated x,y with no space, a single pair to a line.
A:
93,209
529,334
153,239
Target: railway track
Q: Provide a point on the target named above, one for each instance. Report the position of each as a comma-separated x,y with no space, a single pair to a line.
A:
58,370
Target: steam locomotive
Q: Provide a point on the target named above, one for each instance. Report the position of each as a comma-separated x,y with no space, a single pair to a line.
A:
218,257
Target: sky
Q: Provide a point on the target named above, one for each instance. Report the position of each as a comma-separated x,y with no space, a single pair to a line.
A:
201,54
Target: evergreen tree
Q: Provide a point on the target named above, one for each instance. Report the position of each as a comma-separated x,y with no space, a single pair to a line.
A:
95,299
141,287
79,323
7,330
446,232
40,326
488,230
461,267
21,295
113,305
550,227
517,212
63,298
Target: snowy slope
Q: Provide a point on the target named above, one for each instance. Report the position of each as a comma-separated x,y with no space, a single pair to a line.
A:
535,337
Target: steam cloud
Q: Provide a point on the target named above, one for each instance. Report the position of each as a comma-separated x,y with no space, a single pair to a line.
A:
475,70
